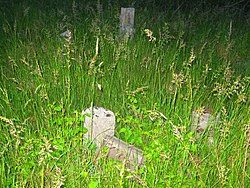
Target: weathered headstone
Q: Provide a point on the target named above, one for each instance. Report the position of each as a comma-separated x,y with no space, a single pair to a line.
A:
100,124
127,22
201,121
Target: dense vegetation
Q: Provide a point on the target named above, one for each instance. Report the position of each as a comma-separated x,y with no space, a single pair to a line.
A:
184,57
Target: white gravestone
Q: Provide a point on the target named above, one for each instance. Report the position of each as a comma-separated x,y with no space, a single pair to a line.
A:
100,124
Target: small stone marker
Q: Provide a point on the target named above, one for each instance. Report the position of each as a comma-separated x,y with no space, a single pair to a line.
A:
127,22
101,124
201,122
67,35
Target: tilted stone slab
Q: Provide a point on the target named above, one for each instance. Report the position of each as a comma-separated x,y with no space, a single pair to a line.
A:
120,150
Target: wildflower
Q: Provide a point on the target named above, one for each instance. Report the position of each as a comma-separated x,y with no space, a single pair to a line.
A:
150,35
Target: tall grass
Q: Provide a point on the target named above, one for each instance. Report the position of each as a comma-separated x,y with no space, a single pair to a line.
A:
177,62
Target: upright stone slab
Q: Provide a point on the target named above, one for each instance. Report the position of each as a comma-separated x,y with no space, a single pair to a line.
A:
100,123
127,22
203,121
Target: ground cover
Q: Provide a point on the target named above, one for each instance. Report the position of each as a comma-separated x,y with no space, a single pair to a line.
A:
179,61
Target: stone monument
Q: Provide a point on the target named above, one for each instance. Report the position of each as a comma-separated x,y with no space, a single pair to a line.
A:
100,124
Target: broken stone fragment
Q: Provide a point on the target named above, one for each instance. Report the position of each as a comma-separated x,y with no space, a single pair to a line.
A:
120,150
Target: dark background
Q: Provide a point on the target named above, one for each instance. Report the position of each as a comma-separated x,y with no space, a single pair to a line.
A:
242,6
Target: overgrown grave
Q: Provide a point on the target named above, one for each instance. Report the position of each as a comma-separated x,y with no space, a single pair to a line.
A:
100,124
204,121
